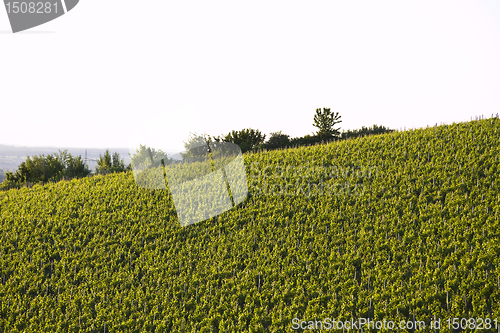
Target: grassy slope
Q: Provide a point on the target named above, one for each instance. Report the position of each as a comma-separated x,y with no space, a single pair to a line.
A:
422,239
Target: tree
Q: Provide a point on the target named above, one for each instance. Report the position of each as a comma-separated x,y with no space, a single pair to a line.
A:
117,162
44,169
247,138
103,163
325,121
277,140
196,140
306,140
144,155
197,147
75,167
109,164
41,169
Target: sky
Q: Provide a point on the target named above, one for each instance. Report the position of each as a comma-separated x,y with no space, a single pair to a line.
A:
119,73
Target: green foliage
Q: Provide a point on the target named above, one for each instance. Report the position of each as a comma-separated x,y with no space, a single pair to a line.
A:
197,148
325,121
247,139
110,163
421,240
306,140
148,156
74,167
196,140
277,140
42,169
365,131
323,137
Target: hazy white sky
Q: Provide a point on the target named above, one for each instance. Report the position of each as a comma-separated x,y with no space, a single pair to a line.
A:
109,70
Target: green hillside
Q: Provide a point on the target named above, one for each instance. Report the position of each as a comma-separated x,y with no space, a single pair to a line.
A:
401,226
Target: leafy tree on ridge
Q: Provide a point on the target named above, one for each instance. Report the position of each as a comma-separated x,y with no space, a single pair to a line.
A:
247,138
277,140
325,121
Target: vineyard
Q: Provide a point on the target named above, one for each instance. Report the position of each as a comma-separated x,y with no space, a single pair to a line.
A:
402,226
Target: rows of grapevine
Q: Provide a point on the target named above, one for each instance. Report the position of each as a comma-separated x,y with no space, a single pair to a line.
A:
416,237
